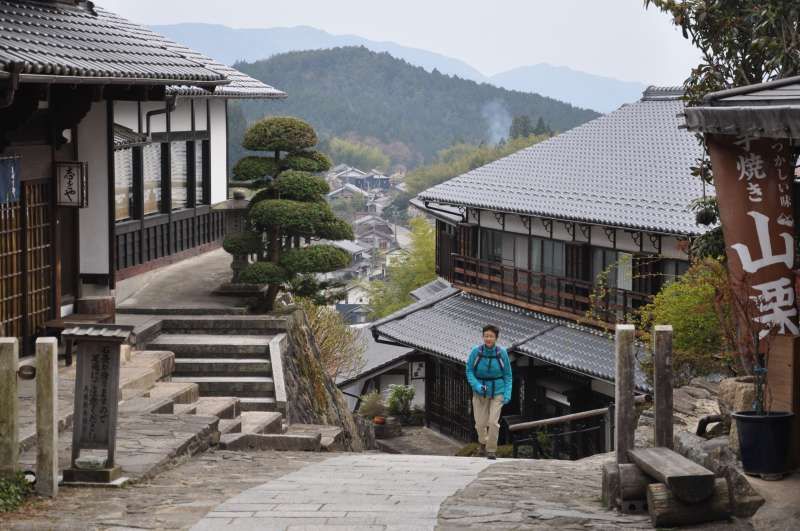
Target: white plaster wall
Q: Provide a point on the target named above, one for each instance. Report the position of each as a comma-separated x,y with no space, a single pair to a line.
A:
390,379
126,114
419,393
671,248
94,220
200,121
181,117
603,387
158,124
514,224
219,152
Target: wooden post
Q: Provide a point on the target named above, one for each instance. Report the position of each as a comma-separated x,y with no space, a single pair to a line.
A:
623,392
46,416
633,483
9,427
662,356
608,427
610,485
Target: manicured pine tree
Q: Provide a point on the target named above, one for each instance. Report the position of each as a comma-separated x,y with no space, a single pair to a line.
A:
288,211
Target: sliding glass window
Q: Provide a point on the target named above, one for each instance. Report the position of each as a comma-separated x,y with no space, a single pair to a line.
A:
123,184
179,175
153,168
200,172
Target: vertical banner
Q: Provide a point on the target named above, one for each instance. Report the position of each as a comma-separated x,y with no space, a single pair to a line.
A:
10,190
753,180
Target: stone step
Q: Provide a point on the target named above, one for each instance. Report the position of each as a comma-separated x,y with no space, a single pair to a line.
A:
223,324
178,392
241,386
258,404
223,407
186,409
143,370
262,422
257,441
143,405
332,437
223,367
230,426
212,346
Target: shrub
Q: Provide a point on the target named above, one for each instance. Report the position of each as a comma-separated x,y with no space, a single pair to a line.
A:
13,492
301,186
281,133
371,405
294,218
243,243
254,168
262,273
698,308
315,259
310,160
399,400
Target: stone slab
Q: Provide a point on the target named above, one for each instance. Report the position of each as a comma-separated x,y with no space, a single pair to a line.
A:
255,441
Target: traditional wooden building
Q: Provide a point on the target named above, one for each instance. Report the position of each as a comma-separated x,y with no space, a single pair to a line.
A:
113,149
554,244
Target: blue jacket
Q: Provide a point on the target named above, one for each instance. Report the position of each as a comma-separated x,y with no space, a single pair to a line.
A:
490,368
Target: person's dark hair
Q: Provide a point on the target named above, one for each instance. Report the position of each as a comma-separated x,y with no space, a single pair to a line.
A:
491,328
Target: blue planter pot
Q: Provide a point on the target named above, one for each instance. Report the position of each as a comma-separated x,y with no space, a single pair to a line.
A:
764,441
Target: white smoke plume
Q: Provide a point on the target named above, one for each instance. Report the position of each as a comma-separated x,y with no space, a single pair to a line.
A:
498,120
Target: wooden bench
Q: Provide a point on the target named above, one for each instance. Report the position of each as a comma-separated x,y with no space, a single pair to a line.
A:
55,327
688,481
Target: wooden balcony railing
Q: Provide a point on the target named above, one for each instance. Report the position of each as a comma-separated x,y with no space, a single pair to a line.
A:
576,297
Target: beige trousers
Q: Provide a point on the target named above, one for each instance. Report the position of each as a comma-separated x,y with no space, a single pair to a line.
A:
487,419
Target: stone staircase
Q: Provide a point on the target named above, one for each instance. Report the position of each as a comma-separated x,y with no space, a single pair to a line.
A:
224,357
224,365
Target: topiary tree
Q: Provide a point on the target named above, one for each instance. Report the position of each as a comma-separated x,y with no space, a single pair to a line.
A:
288,213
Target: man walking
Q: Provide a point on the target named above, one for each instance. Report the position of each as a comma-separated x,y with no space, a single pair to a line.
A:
489,375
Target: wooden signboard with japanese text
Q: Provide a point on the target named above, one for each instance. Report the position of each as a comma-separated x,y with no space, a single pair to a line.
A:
753,181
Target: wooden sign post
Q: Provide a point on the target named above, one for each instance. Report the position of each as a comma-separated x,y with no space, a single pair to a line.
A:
9,409
96,399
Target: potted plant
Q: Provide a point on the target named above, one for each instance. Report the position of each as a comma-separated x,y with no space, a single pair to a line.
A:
399,401
372,408
764,435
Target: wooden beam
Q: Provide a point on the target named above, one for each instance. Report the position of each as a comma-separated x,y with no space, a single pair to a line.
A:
690,482
662,356
624,344
666,510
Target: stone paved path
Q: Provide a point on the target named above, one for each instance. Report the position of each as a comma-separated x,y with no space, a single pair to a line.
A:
356,492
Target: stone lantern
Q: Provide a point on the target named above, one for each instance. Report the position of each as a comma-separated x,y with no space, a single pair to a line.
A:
235,212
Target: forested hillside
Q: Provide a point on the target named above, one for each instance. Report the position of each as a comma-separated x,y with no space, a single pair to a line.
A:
358,94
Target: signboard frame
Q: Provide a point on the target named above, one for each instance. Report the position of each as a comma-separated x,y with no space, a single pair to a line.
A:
72,179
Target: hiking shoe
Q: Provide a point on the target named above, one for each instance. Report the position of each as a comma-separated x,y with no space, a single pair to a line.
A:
491,456
482,451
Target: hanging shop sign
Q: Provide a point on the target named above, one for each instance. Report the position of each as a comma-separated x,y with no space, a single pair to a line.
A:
10,190
73,187
753,180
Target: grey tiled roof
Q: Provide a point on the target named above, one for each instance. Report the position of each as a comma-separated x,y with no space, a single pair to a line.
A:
777,92
125,137
59,39
377,356
241,85
430,289
451,327
630,168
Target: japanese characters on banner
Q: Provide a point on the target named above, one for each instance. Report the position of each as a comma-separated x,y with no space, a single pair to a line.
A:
753,180
72,184
10,178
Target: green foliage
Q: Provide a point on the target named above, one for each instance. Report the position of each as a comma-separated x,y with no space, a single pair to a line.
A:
521,126
357,155
741,41
13,492
254,168
292,218
697,306
310,160
263,273
301,186
372,405
415,270
335,230
243,243
399,400
353,90
315,259
319,292
280,133
460,159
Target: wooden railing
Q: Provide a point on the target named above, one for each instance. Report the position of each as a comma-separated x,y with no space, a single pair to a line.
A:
540,289
574,435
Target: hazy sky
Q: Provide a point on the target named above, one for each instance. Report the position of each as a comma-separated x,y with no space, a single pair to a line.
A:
616,38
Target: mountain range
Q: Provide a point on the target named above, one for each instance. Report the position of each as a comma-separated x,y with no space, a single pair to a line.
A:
230,45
